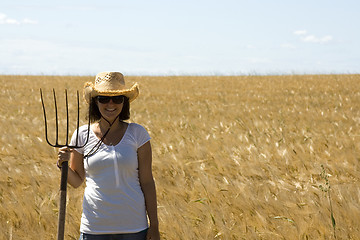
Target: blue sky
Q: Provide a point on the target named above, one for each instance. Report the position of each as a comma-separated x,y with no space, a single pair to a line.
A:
158,37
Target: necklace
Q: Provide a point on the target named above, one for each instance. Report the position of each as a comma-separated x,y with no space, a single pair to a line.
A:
96,147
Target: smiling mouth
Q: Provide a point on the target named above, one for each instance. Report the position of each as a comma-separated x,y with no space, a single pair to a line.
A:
110,109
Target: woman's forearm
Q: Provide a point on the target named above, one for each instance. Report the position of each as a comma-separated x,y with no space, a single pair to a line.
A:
76,172
74,179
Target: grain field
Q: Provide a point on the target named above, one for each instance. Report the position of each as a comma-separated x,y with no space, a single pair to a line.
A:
235,157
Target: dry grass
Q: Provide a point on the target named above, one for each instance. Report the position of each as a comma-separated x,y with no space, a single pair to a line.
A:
234,157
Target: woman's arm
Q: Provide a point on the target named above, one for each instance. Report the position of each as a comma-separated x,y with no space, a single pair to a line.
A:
148,187
76,173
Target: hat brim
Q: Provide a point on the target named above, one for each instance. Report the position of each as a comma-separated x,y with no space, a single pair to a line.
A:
90,91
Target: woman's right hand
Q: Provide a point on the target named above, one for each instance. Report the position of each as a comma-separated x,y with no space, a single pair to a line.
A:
63,156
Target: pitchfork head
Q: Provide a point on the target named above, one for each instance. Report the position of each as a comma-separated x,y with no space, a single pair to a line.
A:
57,144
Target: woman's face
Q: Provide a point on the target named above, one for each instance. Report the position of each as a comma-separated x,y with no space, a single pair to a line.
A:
110,107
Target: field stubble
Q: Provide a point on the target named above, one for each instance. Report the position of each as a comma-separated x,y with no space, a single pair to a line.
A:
234,157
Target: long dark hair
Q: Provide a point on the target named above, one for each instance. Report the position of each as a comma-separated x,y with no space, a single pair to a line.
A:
95,114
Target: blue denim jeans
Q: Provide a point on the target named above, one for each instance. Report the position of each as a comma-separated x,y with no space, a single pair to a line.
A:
126,236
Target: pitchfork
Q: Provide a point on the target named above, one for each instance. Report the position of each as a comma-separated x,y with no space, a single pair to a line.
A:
64,165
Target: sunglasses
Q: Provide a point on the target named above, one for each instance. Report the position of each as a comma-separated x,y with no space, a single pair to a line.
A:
106,99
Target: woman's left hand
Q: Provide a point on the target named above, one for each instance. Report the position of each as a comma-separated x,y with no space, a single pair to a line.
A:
153,233
63,156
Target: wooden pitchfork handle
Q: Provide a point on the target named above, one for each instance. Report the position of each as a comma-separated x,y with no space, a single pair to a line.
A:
62,207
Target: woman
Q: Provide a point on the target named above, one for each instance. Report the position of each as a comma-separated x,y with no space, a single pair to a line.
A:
116,163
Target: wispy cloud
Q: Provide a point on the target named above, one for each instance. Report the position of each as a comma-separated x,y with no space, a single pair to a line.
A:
4,19
305,37
314,39
300,32
29,21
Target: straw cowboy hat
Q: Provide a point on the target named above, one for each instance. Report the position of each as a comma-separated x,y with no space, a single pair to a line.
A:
110,84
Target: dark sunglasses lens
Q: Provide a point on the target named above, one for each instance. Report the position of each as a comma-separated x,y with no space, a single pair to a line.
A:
106,99
118,99
103,99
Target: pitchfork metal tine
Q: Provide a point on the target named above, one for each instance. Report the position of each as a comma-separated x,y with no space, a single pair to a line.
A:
67,119
46,129
57,122
78,117
67,123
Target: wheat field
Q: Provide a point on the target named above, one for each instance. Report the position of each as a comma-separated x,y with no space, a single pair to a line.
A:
235,157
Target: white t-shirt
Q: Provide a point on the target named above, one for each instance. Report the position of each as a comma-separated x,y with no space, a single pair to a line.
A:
113,199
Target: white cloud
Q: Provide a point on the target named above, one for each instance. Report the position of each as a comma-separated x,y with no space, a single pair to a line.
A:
314,39
305,37
4,19
29,21
300,32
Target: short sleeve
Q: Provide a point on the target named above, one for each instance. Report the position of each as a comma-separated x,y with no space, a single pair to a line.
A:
80,139
141,135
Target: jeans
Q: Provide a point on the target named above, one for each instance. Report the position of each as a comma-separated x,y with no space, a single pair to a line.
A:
125,236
